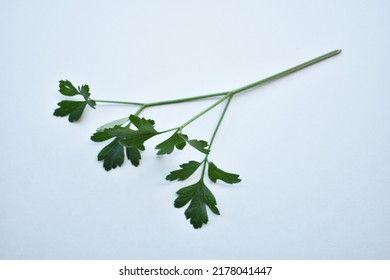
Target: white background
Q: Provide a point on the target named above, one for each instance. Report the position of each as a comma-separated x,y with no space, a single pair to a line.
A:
313,149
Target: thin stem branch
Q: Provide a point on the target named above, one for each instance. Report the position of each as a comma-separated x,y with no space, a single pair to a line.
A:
235,91
164,102
204,111
263,81
168,130
140,109
231,93
205,161
225,95
286,72
204,167
188,99
118,102
220,121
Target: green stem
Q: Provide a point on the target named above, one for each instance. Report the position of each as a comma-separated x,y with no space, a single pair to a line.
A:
231,93
286,72
263,81
205,161
204,168
140,109
168,130
225,95
220,121
164,102
204,111
118,102
188,99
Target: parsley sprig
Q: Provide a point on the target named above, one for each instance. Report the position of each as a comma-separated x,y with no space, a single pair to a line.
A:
128,135
73,108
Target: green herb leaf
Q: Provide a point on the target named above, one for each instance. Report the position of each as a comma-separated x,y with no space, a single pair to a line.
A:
101,136
200,145
187,169
130,137
167,146
67,89
72,108
91,103
113,123
112,155
215,173
125,139
142,123
199,197
134,138
84,91
134,155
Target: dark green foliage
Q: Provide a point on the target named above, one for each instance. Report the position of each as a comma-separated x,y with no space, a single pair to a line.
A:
67,89
73,108
134,138
200,145
134,154
112,155
100,136
185,171
179,141
199,196
167,147
126,139
84,91
215,173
